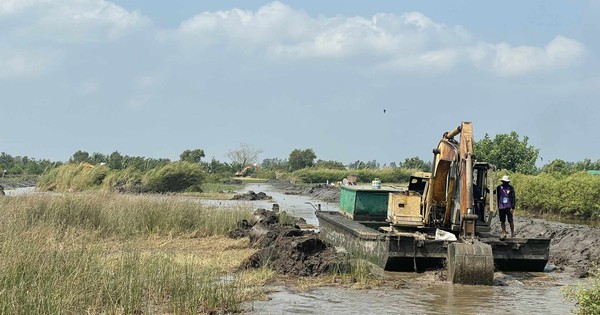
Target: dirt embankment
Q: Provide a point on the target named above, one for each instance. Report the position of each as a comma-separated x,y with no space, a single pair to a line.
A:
284,248
573,246
326,193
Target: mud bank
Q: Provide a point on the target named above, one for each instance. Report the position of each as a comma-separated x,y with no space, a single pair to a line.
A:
252,196
573,246
323,192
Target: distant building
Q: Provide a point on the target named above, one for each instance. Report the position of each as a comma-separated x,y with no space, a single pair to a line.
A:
594,172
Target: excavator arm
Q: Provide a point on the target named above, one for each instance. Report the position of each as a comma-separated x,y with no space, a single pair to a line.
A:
450,192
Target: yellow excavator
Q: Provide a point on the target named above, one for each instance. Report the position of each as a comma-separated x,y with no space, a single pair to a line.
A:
449,204
444,199
443,217
250,168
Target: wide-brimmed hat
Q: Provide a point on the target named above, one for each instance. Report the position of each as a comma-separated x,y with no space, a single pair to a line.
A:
505,178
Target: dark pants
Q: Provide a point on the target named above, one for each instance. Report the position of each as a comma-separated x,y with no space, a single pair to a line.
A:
506,213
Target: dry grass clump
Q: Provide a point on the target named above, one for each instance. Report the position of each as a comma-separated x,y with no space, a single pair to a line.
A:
113,254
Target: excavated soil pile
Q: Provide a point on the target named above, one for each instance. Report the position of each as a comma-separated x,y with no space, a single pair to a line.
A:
572,246
285,248
233,181
250,195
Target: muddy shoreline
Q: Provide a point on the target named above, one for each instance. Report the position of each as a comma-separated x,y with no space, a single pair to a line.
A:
572,247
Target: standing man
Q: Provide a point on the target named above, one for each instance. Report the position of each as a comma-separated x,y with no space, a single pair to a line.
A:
505,193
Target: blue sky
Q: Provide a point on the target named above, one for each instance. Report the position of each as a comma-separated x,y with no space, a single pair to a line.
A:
154,78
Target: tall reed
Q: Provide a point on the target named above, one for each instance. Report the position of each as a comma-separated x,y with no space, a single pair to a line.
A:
53,260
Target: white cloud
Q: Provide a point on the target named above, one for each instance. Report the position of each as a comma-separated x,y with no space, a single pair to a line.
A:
8,7
69,20
19,64
506,60
411,41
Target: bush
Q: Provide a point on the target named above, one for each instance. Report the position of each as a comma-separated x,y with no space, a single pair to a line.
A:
586,295
73,177
576,195
175,177
127,180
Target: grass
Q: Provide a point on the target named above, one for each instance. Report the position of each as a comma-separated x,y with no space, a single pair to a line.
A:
113,254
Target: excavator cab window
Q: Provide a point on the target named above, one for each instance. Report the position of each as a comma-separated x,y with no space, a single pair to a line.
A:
417,184
480,191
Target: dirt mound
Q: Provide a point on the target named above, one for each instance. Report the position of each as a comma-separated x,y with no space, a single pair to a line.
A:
285,249
322,192
291,251
232,181
250,195
572,246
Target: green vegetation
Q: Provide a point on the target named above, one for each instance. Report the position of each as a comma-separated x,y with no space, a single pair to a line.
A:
116,254
192,156
507,152
18,165
172,177
559,188
300,159
586,295
175,177
576,195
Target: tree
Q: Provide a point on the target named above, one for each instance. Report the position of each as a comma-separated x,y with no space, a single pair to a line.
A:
507,152
192,156
357,165
301,159
80,156
416,163
373,165
557,166
332,165
244,155
115,160
274,164
98,158
217,167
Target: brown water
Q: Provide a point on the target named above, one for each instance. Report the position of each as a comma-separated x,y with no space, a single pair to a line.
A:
419,295
515,293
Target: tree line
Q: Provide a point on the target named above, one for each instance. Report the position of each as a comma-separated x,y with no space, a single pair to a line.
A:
507,152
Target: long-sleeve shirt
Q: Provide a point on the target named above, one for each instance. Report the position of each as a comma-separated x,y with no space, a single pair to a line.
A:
510,191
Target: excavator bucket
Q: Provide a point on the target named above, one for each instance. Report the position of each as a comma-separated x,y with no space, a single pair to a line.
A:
470,263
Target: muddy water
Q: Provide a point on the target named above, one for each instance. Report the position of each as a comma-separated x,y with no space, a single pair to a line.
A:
424,296
515,293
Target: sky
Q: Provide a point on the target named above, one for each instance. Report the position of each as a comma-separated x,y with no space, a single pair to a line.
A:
352,80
